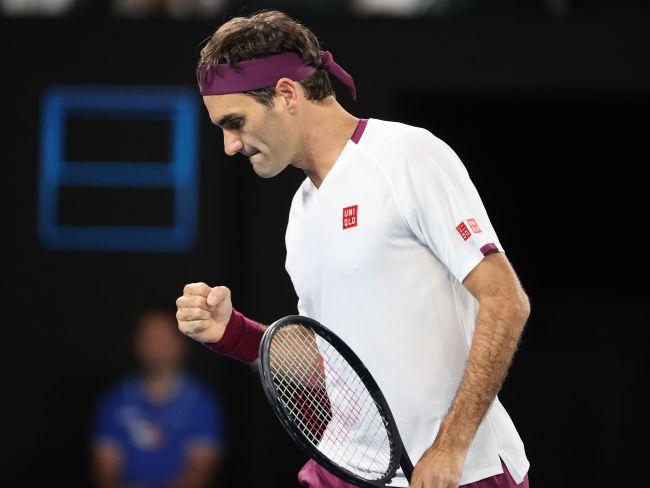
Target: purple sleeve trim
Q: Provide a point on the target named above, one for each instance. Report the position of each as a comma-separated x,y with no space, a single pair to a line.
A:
241,339
489,249
358,132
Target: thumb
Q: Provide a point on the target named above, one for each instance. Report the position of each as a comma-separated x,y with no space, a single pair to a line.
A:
216,296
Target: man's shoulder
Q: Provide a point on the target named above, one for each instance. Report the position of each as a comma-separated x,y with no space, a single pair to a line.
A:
123,391
392,145
385,135
194,386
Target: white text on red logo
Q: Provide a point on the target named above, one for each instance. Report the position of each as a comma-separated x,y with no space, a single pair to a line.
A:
350,216
463,231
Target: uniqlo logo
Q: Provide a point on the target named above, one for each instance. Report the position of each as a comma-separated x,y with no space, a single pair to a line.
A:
350,216
475,228
463,231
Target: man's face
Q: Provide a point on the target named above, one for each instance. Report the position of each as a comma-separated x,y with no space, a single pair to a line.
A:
263,135
158,345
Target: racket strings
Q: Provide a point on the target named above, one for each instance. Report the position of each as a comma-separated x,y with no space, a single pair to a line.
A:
329,402
321,393
365,424
342,438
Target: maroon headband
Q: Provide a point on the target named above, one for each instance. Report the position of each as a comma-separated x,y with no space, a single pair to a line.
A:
259,73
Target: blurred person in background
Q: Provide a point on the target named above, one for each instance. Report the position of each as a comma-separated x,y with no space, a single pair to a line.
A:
318,6
170,8
158,427
401,8
44,8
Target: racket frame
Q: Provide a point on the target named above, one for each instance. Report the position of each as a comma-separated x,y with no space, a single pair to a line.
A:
400,457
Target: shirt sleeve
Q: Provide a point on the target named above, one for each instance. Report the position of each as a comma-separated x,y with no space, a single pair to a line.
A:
107,429
441,205
207,421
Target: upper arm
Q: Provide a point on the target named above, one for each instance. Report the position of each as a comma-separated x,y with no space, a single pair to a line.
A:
107,440
208,422
204,442
494,278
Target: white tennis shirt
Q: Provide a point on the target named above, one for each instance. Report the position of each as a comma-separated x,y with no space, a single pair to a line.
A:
378,254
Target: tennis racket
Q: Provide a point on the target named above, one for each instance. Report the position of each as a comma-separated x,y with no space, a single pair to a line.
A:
329,403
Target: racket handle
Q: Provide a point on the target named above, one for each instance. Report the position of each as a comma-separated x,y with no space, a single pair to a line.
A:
406,464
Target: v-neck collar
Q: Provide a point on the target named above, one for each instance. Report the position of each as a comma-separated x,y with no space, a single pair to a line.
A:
354,139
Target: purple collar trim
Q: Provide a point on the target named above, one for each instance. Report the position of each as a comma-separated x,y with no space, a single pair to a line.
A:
259,73
358,132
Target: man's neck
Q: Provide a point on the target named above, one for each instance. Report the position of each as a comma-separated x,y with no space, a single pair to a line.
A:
160,385
327,128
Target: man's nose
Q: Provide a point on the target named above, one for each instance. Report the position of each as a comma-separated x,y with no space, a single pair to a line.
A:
232,144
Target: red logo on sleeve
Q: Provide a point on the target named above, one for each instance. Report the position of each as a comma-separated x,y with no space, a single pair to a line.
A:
475,228
350,216
463,231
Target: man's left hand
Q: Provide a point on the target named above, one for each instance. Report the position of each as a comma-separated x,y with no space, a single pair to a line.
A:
438,468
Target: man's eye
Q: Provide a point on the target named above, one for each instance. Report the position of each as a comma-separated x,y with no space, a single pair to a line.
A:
236,124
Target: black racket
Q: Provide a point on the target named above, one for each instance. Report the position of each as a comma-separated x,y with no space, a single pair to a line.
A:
329,403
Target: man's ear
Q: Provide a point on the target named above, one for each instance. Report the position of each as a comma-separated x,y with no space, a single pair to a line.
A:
289,92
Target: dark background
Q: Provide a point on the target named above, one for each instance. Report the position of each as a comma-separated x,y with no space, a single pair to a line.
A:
551,118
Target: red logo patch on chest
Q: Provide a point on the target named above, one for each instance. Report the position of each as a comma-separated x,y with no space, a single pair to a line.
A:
474,225
463,231
350,216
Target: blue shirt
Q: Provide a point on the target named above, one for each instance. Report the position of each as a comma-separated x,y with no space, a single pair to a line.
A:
153,436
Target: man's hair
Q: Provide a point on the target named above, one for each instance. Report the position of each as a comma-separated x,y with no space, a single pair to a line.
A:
264,34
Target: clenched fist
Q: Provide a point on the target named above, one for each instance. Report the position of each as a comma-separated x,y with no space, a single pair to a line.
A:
203,312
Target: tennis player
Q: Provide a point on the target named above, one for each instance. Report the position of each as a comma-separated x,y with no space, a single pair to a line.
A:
388,244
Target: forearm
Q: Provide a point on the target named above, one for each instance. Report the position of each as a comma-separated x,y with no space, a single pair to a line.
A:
108,483
107,465
194,478
499,325
200,468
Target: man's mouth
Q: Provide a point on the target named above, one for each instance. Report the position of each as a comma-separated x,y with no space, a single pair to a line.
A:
252,155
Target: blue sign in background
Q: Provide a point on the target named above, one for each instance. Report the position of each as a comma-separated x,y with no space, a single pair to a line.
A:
178,106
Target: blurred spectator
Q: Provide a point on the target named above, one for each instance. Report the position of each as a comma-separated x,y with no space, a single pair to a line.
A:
172,8
158,427
401,8
36,7
305,6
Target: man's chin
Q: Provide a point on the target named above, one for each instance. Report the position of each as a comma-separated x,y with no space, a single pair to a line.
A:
264,171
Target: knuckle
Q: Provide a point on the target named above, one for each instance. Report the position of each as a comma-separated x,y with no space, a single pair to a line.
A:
194,288
195,328
187,327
